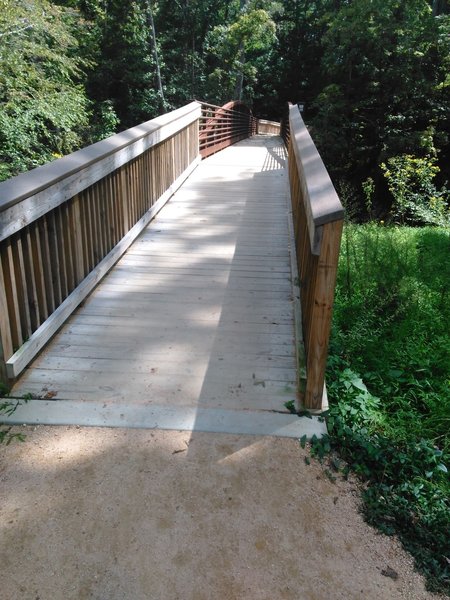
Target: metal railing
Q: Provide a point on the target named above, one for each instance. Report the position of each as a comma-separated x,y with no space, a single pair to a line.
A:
222,126
284,126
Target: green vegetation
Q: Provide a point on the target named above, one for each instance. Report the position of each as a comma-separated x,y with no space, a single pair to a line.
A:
373,75
42,106
389,384
7,407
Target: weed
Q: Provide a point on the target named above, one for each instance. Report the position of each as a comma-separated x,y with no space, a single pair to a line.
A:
290,405
7,407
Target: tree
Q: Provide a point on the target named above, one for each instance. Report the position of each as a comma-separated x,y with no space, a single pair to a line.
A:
125,74
383,70
241,48
43,108
151,27
293,73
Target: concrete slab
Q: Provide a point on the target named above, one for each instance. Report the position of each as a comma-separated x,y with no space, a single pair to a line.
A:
187,418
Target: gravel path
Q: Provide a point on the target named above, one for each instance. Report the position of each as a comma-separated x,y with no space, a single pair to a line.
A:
113,514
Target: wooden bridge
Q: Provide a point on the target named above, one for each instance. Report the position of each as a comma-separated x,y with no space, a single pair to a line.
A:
213,307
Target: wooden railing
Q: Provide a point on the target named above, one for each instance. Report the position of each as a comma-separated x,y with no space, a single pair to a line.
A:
318,219
63,225
284,126
221,126
268,127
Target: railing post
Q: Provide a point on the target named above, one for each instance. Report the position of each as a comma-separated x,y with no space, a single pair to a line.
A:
321,313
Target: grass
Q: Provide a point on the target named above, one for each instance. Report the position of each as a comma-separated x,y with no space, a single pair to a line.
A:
389,384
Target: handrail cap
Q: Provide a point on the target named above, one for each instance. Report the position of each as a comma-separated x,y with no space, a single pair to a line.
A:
325,206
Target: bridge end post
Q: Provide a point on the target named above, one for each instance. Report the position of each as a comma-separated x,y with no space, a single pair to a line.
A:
321,314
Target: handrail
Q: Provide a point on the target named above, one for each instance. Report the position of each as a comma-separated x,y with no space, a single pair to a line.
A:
221,126
318,219
82,168
63,225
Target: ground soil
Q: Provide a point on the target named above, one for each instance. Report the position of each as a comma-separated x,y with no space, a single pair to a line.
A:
112,514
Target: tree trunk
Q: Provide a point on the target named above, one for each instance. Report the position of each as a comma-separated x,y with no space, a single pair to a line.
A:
241,57
151,26
439,7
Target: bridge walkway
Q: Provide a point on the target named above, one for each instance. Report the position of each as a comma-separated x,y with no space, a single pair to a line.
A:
194,326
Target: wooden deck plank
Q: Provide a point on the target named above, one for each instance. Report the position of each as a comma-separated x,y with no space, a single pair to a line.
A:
163,369
149,389
173,334
138,347
205,294
156,323
113,352
199,310
172,312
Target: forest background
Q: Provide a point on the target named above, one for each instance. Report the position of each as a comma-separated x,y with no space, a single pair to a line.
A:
373,75
374,79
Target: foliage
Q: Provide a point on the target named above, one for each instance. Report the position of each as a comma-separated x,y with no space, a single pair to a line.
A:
124,73
42,107
389,374
407,490
383,67
373,75
415,197
392,317
240,47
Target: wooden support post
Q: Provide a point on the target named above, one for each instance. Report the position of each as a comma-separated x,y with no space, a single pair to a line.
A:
322,308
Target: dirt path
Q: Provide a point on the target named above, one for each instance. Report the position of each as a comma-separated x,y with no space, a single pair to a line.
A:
112,514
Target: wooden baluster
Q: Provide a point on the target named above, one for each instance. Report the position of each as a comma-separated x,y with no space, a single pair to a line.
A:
38,267
46,264
124,196
78,240
12,298
6,342
29,271
67,234
21,286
